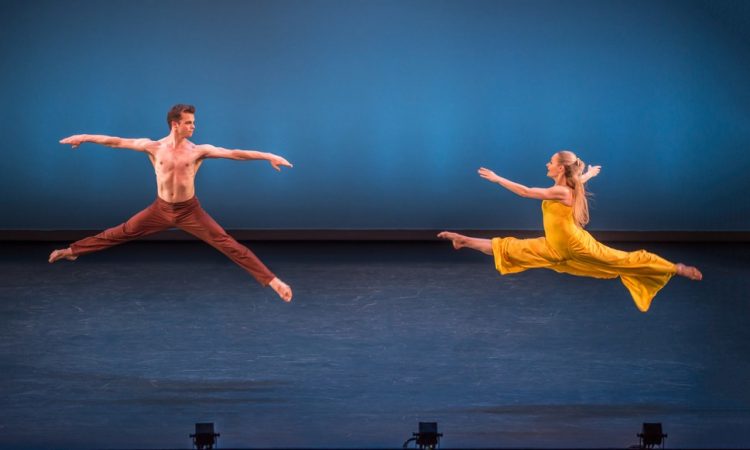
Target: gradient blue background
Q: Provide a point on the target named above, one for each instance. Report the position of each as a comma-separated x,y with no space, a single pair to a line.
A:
386,108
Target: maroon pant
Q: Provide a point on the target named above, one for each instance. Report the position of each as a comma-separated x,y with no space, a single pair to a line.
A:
188,216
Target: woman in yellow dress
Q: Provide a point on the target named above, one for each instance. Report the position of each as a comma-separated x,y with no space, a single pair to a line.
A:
566,247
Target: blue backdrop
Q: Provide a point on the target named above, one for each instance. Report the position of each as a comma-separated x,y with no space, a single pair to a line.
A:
386,108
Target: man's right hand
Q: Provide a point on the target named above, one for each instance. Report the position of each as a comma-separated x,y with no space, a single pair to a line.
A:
277,161
74,140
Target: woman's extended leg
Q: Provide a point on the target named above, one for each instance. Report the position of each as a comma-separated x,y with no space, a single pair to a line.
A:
460,241
688,272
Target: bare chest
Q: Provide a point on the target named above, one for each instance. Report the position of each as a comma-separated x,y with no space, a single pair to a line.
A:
169,161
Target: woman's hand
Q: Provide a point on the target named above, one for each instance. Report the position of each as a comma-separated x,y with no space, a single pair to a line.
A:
590,173
488,175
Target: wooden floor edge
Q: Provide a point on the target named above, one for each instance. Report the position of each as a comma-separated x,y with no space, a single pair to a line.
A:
388,235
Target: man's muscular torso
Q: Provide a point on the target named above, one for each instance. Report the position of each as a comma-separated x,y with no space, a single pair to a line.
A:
175,169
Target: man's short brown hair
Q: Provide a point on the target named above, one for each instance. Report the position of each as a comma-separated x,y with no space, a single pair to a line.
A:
175,114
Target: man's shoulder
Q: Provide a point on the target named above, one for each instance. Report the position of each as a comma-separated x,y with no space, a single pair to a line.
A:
160,143
198,151
201,148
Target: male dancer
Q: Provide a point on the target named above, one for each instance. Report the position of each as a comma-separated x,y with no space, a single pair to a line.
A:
176,160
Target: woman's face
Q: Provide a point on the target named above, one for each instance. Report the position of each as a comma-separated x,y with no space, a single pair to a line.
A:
554,168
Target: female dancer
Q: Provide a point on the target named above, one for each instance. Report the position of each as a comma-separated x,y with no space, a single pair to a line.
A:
566,247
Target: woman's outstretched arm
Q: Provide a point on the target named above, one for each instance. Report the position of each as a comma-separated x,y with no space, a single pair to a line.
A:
559,193
590,173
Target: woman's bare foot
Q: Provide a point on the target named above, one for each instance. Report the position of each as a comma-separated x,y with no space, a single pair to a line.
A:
281,288
689,272
66,253
459,240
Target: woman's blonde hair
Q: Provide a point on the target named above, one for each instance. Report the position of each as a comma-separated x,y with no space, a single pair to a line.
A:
573,171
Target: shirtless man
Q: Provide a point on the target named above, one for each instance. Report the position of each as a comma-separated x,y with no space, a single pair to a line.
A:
176,160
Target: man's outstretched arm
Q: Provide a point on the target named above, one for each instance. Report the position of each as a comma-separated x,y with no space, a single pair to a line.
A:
141,145
211,151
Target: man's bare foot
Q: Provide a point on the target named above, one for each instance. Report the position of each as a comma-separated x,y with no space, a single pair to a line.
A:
66,253
689,272
459,240
281,288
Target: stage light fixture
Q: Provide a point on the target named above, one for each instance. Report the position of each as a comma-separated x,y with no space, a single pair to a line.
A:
427,438
204,437
651,435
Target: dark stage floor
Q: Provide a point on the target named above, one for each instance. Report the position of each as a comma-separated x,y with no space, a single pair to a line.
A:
129,348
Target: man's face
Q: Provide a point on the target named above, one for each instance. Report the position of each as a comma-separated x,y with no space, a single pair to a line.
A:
186,126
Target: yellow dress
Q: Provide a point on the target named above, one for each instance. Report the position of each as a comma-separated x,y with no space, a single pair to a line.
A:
567,248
